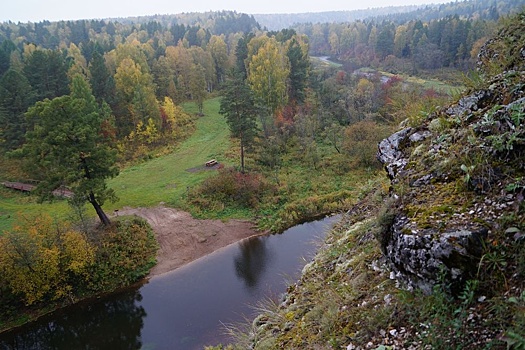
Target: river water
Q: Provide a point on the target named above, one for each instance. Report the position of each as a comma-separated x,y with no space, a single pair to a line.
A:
183,309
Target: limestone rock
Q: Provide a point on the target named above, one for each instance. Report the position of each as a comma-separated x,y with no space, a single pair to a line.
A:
390,152
421,260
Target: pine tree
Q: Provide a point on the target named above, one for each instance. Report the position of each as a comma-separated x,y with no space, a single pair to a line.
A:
15,97
67,147
239,108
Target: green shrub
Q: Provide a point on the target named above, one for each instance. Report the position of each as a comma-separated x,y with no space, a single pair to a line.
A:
42,260
230,188
361,141
126,252
46,264
385,218
307,208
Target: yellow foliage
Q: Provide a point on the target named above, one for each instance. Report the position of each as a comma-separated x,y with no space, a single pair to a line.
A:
175,116
364,87
268,71
78,253
39,256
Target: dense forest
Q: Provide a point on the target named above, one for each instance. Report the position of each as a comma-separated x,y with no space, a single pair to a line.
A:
139,69
141,66
484,9
428,38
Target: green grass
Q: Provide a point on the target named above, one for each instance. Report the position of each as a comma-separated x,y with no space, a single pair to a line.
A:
14,205
320,63
428,84
166,179
425,83
161,180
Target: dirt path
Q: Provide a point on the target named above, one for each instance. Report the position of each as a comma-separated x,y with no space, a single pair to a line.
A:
183,239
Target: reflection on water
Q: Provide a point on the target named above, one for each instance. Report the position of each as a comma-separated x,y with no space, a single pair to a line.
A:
251,262
183,309
112,324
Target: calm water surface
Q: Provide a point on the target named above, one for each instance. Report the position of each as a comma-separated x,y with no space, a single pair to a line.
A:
185,308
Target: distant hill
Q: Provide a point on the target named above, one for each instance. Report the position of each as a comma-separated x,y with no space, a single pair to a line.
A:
280,21
471,9
217,22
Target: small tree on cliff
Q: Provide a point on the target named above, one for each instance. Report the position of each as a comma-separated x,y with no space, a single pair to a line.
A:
69,146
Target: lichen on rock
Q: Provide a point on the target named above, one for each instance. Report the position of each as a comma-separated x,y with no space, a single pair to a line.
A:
448,173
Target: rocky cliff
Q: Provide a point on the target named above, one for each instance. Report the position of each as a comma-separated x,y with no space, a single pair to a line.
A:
458,177
449,269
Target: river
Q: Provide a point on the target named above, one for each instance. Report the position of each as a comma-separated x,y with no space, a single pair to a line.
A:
186,308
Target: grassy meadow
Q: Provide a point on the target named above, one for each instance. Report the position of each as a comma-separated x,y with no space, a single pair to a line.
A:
164,179
302,190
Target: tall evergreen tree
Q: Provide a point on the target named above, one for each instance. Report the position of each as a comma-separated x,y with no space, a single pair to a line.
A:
299,65
5,55
241,53
239,108
67,147
102,83
46,71
15,98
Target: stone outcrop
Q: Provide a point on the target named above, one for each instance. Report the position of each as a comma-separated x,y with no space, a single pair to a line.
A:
454,177
422,258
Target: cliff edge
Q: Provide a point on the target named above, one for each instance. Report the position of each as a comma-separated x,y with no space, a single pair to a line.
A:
433,256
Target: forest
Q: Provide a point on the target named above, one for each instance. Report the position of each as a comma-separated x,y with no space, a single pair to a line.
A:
82,101
144,68
482,9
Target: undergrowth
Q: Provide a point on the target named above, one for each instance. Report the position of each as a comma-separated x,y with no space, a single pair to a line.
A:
46,265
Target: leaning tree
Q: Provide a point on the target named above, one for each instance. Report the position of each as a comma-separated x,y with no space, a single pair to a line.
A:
70,145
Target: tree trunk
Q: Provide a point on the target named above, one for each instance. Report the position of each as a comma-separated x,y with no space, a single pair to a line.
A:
242,154
101,215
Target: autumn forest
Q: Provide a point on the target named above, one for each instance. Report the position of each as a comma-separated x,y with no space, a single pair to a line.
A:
304,106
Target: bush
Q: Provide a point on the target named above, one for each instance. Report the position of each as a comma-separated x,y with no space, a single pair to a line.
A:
42,260
306,209
231,188
126,252
361,141
44,263
385,219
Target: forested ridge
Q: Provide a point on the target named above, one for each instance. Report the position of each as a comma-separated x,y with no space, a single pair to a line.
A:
484,9
82,100
186,56
430,37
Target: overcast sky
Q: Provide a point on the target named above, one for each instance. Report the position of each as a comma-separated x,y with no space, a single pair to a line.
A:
54,10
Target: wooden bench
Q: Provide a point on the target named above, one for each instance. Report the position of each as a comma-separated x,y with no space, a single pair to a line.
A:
211,162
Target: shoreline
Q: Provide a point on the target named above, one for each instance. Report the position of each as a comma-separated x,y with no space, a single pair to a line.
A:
183,239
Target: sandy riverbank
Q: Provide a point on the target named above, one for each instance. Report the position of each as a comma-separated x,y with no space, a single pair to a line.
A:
183,239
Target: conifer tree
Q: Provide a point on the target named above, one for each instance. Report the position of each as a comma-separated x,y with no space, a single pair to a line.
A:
239,108
67,147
